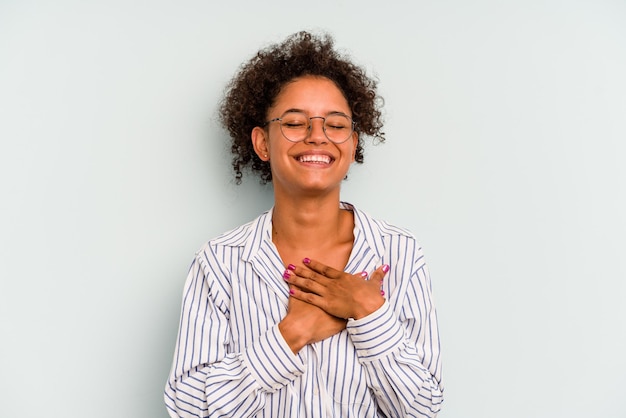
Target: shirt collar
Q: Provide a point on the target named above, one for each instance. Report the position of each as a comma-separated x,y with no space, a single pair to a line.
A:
366,234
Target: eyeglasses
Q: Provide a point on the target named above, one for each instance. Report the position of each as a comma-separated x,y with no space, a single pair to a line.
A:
296,126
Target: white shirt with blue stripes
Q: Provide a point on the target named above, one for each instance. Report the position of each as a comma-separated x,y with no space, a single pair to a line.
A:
231,361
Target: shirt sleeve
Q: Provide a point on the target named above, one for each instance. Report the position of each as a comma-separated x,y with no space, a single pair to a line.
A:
399,350
206,379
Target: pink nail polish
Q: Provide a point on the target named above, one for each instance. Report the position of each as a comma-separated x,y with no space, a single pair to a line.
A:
286,275
306,260
291,291
382,293
291,267
364,274
385,268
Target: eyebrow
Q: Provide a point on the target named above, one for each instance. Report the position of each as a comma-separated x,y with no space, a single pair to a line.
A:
333,112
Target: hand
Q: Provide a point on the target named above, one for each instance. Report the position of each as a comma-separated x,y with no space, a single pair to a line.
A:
306,324
338,293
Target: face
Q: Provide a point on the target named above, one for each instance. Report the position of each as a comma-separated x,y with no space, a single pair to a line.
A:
316,163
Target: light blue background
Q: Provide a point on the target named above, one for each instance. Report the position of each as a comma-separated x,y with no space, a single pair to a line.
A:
506,127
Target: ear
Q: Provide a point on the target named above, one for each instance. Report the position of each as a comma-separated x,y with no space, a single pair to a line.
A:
355,143
260,143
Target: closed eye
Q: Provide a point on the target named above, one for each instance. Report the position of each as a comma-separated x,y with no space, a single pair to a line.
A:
294,125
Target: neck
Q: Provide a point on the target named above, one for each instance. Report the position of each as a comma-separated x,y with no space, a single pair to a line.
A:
306,223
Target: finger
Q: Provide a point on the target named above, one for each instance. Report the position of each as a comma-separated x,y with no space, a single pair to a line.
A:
379,274
311,298
322,269
308,284
302,273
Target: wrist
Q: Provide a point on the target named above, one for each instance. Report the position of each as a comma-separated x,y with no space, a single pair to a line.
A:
368,308
292,333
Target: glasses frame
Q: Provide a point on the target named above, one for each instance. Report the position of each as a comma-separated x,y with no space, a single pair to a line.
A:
310,127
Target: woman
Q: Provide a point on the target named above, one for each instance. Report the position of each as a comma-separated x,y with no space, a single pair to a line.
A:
314,309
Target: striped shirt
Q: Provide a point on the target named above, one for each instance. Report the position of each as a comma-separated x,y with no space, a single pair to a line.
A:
231,360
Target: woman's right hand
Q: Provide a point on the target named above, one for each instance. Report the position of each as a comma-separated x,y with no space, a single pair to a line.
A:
306,324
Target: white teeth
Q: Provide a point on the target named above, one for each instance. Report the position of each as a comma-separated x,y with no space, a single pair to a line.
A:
324,159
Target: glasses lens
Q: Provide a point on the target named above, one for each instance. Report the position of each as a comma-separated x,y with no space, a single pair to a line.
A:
338,128
295,126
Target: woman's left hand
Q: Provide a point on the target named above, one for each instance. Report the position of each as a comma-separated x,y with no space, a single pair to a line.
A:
338,293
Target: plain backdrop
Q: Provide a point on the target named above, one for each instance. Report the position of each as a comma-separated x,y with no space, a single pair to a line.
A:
506,131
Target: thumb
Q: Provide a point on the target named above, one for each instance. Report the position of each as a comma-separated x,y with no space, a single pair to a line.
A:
380,273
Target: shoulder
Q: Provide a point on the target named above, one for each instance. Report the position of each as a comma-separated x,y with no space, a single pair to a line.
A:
392,244
234,244
376,226
217,258
241,235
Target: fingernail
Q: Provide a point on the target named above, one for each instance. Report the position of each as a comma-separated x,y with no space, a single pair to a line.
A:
291,291
306,260
382,293
291,267
364,274
385,268
286,275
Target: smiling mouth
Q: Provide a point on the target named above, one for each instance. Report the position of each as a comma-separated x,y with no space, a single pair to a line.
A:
317,159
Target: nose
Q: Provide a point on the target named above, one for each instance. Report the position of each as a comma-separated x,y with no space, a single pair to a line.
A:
316,131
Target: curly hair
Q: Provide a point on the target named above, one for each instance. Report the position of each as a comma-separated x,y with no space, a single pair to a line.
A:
253,90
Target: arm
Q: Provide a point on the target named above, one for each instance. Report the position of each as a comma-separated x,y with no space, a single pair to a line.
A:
206,380
398,347
401,354
306,324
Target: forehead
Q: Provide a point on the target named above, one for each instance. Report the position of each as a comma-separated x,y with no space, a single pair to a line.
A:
311,94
